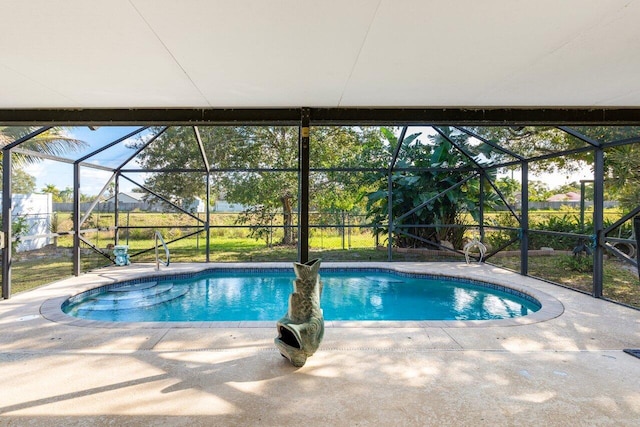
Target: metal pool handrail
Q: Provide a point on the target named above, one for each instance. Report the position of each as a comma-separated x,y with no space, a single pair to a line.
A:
158,236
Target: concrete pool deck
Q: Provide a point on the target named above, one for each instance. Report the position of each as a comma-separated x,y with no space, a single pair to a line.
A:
565,368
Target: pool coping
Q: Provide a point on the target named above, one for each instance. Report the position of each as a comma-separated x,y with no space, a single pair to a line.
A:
51,308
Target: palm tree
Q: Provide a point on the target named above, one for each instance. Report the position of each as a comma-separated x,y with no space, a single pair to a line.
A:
54,142
66,195
53,190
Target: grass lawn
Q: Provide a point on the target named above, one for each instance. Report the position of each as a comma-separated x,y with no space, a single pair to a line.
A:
30,274
620,283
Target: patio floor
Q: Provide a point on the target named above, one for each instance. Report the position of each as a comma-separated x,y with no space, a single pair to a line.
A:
564,370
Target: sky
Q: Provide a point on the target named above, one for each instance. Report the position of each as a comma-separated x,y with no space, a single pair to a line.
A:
91,180
556,179
560,178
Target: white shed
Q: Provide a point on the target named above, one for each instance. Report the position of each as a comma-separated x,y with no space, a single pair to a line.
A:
34,211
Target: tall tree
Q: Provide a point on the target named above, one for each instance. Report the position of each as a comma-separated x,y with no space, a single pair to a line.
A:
342,149
66,195
622,163
264,192
539,191
256,166
510,188
22,182
531,142
53,190
175,149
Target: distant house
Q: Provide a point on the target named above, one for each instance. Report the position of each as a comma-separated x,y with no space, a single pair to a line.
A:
566,197
224,206
194,205
557,198
126,198
128,202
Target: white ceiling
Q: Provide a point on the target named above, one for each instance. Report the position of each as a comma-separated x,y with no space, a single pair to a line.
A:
311,53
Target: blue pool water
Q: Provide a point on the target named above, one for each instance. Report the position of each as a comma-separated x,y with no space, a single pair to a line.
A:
231,295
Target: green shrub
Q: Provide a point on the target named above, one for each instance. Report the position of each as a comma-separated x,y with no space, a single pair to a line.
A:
498,238
578,263
566,223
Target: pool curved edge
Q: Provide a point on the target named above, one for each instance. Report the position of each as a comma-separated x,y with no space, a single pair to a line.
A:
551,307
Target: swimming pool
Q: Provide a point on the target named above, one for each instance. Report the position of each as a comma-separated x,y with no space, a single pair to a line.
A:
262,294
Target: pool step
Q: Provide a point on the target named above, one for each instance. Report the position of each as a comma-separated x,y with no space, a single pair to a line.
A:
134,287
137,299
156,290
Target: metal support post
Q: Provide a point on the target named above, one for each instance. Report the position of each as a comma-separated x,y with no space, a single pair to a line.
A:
207,222
6,224
116,209
598,222
303,189
342,214
76,219
636,232
481,201
524,221
349,230
582,206
390,212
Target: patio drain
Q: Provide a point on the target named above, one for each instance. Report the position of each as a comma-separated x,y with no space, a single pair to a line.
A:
633,352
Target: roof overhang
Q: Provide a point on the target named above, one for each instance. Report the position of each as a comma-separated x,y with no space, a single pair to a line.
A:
323,116
190,57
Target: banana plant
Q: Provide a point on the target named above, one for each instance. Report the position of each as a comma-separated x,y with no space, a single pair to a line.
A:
434,181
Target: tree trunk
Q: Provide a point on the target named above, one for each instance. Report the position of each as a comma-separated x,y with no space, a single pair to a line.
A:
287,219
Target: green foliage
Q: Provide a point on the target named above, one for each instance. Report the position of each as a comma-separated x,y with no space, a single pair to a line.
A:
53,190
433,191
62,196
248,154
499,238
567,223
66,195
622,162
55,142
624,171
260,220
22,182
509,187
577,263
19,228
257,167
533,141
538,191
342,148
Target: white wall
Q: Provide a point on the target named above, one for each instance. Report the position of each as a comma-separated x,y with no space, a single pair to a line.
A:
37,210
